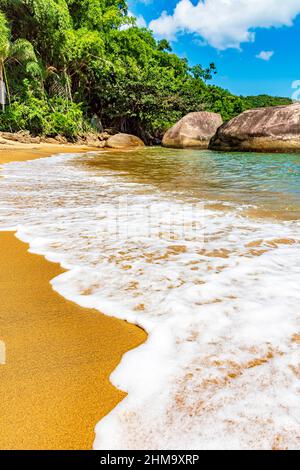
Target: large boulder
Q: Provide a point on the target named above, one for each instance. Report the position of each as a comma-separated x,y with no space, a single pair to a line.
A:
123,141
274,129
193,131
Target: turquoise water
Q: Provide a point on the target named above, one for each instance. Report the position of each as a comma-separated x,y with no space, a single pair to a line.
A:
269,183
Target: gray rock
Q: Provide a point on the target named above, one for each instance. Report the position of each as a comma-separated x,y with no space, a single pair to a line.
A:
193,131
273,129
120,141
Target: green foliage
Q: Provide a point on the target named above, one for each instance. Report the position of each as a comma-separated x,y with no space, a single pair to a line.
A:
222,101
65,118
206,74
58,53
100,15
4,37
41,117
164,45
44,23
262,101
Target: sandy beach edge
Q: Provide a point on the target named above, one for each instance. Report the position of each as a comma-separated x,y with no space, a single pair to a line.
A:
54,385
15,151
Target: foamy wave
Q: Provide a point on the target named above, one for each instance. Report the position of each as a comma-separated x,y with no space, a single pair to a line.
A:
221,367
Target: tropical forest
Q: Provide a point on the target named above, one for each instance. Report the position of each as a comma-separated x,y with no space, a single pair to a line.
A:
70,66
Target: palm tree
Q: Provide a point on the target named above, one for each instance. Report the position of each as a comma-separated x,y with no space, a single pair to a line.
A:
20,51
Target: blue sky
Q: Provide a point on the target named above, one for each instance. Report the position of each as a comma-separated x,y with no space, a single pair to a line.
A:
254,43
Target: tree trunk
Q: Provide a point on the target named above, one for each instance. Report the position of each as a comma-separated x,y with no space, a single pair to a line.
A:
2,87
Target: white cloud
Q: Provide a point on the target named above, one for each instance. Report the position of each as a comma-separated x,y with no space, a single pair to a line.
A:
225,23
265,55
141,22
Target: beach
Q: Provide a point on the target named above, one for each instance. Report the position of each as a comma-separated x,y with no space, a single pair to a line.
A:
11,151
143,237
55,384
149,227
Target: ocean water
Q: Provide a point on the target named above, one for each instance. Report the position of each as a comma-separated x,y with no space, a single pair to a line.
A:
202,250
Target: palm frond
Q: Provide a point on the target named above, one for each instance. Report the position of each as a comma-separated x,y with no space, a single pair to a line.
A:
22,51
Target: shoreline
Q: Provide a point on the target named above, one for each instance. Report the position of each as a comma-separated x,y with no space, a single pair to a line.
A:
189,360
55,384
16,152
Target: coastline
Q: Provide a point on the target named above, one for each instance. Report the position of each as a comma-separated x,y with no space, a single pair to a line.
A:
15,151
203,344
55,384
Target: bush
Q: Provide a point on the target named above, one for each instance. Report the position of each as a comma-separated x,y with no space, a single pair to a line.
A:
44,117
66,118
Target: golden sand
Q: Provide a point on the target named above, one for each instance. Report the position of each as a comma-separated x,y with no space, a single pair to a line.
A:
19,152
55,386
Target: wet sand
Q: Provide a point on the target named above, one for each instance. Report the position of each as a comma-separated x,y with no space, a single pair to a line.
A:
19,152
55,386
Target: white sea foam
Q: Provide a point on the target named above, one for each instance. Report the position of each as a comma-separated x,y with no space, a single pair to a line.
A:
221,367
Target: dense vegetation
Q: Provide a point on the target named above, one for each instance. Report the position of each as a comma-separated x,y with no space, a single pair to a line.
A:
63,61
261,101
